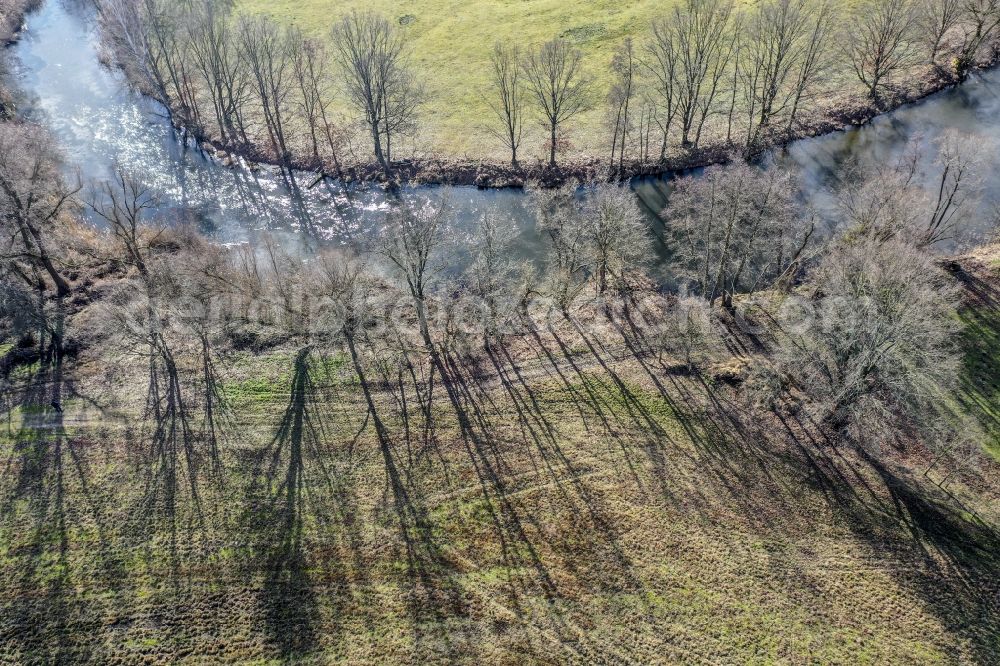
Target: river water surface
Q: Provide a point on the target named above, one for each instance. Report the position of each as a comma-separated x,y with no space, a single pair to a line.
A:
100,123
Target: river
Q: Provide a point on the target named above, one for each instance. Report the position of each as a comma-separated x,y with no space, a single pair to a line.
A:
101,123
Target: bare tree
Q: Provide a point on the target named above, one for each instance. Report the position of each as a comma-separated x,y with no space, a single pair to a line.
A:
123,203
33,196
662,63
879,347
815,59
555,78
264,48
567,258
735,229
982,20
873,201
148,40
778,62
649,115
877,42
493,272
309,65
507,99
623,66
934,20
370,54
168,55
908,202
706,40
223,71
413,237
687,330
122,25
616,233
768,59
960,159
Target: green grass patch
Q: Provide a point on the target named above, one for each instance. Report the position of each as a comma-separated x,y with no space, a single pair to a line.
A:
25,372
450,43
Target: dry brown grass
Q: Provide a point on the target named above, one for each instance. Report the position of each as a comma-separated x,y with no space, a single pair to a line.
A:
606,511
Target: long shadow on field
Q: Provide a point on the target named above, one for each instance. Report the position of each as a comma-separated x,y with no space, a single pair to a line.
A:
979,387
171,461
217,417
936,548
304,533
659,446
276,516
43,599
969,547
589,545
918,533
959,576
46,497
487,459
728,444
434,598
591,527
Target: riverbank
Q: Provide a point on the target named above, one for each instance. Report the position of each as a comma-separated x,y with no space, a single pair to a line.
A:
850,111
834,113
12,13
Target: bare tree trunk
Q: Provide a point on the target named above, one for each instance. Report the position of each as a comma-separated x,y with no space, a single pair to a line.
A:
557,85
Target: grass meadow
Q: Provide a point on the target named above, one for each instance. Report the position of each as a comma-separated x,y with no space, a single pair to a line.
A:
450,43
608,511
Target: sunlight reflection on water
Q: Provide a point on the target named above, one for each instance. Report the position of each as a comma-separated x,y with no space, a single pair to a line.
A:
101,124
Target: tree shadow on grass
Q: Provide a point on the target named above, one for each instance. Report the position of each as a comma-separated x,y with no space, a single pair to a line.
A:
47,494
488,461
169,464
275,517
587,545
939,551
979,382
433,595
298,551
959,556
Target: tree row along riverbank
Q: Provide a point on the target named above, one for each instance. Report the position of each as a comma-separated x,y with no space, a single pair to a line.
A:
491,174
707,82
